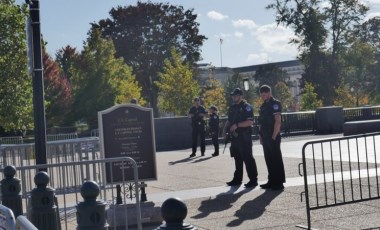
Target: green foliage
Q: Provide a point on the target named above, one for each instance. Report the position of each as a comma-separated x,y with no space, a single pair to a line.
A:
100,80
66,58
143,35
213,94
314,26
309,100
284,95
15,88
237,81
344,97
270,74
177,86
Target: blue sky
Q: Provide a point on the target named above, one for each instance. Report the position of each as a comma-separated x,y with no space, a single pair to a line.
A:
250,35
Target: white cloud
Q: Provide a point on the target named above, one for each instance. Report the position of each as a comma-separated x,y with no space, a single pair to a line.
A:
275,39
245,23
325,4
259,58
373,2
372,15
216,15
238,34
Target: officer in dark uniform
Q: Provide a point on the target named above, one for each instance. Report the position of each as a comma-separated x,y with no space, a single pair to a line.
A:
213,124
238,126
270,125
197,114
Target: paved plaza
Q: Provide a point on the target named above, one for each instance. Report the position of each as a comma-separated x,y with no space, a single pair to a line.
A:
200,183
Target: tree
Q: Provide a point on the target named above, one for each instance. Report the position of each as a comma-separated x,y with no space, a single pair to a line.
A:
284,95
359,59
16,113
309,100
144,34
100,80
213,94
237,81
270,74
344,97
66,58
307,20
369,33
310,24
58,93
177,86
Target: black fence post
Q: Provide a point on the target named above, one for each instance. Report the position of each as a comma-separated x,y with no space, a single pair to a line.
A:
91,214
43,211
11,191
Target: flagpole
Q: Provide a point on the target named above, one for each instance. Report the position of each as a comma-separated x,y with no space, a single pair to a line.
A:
220,47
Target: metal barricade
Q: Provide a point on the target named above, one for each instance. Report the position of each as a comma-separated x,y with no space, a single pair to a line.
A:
22,223
340,171
61,136
11,140
68,192
7,219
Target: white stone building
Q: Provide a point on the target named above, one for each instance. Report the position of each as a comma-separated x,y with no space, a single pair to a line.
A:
293,68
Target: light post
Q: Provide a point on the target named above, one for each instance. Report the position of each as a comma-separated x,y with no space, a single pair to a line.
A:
355,91
38,84
246,84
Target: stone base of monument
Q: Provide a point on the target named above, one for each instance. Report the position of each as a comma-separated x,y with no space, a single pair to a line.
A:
116,214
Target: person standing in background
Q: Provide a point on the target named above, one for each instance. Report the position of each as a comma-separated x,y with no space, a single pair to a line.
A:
270,138
213,124
239,125
197,114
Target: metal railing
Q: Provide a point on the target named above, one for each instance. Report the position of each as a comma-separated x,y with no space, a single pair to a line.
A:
11,140
57,152
292,124
298,123
69,184
61,136
361,113
341,171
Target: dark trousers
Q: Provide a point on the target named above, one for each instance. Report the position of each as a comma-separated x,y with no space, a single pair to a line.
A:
215,142
241,151
198,130
273,160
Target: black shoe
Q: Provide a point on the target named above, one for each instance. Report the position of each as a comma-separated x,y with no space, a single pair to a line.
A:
192,155
277,187
265,186
215,154
203,154
233,183
251,184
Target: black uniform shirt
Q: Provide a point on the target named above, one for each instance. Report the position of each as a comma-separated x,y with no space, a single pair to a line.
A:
196,119
240,112
266,116
214,123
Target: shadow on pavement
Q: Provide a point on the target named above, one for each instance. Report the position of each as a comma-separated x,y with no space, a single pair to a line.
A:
254,208
220,203
187,159
202,159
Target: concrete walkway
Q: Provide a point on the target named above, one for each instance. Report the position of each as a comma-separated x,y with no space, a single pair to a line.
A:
200,183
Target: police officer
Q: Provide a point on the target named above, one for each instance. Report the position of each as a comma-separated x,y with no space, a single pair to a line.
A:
269,133
197,114
238,125
213,124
